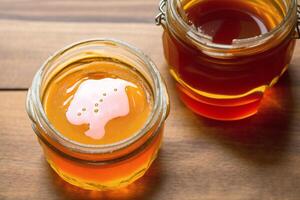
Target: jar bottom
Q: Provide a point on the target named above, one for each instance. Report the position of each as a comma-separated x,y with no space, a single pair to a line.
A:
100,187
103,177
223,109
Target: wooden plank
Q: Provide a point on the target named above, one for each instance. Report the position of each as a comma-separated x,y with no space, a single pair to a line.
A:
38,40
256,158
24,46
79,11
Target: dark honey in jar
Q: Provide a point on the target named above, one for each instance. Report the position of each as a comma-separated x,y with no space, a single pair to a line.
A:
225,54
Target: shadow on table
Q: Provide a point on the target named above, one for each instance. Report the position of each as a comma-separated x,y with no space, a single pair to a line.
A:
264,138
144,188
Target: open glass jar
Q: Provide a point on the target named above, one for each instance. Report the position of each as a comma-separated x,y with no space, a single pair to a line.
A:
87,162
227,80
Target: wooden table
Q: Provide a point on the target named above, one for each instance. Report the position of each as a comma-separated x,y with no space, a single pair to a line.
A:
256,158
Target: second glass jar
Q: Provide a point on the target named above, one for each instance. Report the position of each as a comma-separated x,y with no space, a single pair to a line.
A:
227,81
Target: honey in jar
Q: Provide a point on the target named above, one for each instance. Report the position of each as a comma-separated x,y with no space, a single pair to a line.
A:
225,54
100,103
98,109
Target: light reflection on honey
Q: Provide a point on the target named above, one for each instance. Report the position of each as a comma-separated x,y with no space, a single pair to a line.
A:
264,138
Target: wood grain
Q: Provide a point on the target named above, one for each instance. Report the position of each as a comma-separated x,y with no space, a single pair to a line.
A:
41,39
256,158
80,11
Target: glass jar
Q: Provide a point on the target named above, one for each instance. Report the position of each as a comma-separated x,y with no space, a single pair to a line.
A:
227,81
99,167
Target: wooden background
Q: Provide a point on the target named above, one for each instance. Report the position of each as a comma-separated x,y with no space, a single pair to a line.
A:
256,158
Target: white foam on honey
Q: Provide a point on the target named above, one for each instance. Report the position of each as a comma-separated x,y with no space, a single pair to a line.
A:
96,102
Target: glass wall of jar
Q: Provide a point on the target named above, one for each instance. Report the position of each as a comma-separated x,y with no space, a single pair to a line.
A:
224,55
91,164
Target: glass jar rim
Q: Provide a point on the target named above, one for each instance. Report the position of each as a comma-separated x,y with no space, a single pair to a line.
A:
160,98
203,39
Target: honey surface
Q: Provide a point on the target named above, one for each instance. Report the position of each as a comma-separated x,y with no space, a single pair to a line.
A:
100,102
226,21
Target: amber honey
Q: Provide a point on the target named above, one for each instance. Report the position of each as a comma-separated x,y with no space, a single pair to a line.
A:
221,67
98,109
